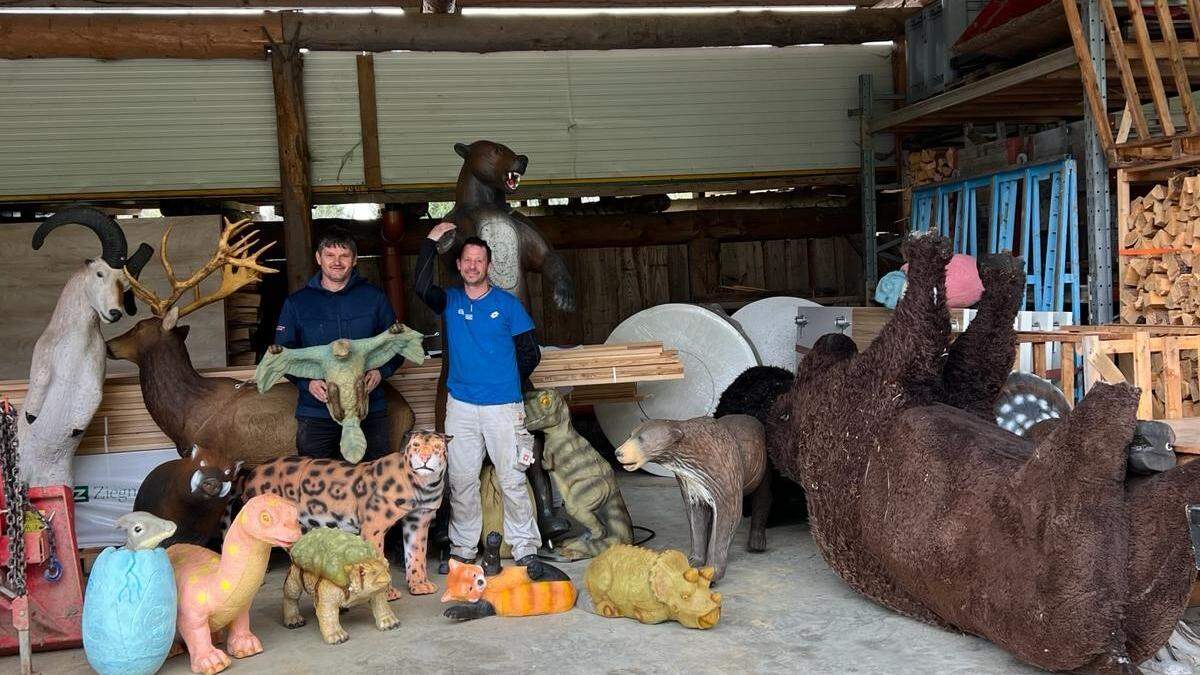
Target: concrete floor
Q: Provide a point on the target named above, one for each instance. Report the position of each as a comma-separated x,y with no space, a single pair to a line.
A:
783,611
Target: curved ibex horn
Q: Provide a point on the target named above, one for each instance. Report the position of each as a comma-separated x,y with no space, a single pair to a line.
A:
133,267
112,238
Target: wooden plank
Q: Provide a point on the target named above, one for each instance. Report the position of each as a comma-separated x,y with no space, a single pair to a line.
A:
368,116
1039,360
629,295
1093,362
1193,12
704,264
417,4
1187,434
1116,44
1142,377
1091,89
1178,71
678,273
1067,369
823,260
775,265
1036,69
247,36
797,266
1172,381
291,127
1157,93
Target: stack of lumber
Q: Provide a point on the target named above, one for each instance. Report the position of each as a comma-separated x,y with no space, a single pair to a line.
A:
123,424
241,320
605,366
1158,251
932,165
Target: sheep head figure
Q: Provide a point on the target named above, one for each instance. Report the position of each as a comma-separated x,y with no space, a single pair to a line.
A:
105,280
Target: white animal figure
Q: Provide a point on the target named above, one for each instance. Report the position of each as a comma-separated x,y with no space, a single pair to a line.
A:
67,371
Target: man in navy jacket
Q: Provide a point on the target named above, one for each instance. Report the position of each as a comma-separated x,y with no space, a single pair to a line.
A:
336,303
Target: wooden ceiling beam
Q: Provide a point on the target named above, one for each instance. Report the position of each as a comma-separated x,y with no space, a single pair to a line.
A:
127,36
415,4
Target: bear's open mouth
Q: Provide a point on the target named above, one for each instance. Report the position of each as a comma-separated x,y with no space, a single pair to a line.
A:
512,180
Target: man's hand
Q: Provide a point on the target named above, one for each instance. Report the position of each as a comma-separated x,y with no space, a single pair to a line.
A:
440,229
318,390
371,379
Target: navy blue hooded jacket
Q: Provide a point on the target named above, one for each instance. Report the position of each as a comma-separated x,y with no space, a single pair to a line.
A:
314,315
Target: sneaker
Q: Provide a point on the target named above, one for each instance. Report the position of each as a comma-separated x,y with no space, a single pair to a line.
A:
526,561
463,560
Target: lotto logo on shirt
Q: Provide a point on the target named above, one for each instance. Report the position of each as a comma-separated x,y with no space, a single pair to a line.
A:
495,314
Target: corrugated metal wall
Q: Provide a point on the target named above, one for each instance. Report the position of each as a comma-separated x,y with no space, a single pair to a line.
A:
334,128
666,112
74,126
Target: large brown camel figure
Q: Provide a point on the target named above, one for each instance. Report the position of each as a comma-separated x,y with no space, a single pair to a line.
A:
920,502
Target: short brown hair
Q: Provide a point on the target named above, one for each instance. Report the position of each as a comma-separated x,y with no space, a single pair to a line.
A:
337,237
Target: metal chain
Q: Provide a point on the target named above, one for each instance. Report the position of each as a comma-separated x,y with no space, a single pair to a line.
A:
14,499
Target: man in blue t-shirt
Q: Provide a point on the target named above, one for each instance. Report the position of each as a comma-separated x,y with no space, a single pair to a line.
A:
337,303
489,337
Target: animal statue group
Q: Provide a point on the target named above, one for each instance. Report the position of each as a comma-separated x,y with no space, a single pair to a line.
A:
191,492
652,587
216,412
716,462
585,481
922,503
367,498
66,373
339,570
342,364
215,591
490,173
129,608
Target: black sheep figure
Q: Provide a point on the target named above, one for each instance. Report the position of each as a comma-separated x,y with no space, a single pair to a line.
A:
753,393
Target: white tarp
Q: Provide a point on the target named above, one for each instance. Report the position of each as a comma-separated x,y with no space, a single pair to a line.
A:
105,488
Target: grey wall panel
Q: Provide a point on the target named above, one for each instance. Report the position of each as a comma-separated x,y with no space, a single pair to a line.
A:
429,101
626,114
72,126
334,128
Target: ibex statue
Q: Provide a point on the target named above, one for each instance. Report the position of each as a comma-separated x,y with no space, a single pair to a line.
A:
216,412
66,375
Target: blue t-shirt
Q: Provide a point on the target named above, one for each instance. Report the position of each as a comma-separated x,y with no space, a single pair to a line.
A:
479,334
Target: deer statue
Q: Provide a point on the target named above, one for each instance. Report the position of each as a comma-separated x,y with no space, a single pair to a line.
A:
66,374
220,413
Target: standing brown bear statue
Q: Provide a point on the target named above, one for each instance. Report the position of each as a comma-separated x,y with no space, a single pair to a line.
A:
490,173
716,462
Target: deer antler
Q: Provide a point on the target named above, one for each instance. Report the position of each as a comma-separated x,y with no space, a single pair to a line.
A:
239,267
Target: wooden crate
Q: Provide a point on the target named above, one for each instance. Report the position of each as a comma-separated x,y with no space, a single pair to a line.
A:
1152,358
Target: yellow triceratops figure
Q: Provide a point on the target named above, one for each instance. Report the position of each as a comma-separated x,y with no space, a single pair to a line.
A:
342,364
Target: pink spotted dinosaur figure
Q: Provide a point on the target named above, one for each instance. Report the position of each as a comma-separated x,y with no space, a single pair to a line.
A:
215,591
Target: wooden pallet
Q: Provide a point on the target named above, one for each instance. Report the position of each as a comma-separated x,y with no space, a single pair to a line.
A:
1159,143
598,373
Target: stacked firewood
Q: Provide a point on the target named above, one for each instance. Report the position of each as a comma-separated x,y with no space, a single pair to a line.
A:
931,165
1158,284
1189,369
241,320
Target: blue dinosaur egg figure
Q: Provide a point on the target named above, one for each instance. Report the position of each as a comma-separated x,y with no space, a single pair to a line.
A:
129,612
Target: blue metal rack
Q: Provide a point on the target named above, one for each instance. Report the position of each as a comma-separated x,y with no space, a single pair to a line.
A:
1045,249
